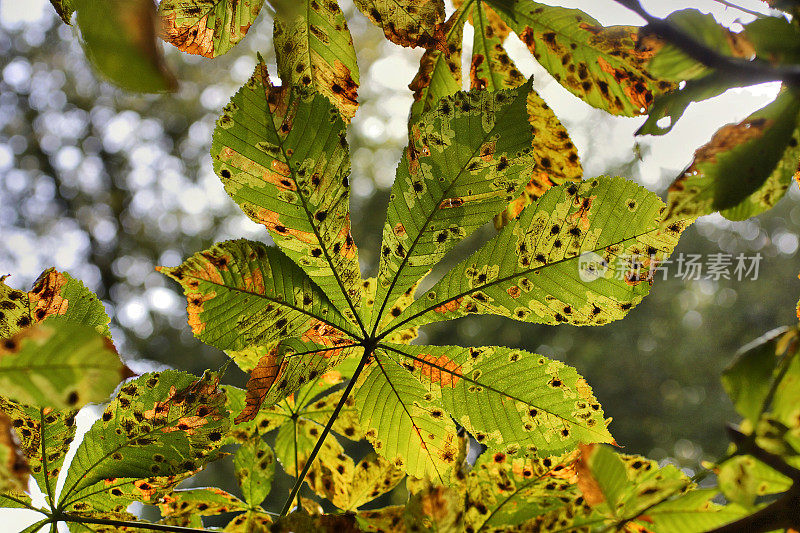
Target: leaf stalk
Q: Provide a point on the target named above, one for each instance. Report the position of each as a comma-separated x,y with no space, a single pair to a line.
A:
369,346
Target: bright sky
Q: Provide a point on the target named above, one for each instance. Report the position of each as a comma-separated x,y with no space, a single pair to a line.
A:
610,144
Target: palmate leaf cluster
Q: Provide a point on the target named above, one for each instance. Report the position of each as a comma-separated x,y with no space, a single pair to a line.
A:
330,351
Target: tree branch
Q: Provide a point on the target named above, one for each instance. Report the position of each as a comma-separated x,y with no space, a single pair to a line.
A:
746,445
124,523
742,70
783,513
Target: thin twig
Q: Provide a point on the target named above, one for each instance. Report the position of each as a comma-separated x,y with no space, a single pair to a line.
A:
368,349
740,8
741,70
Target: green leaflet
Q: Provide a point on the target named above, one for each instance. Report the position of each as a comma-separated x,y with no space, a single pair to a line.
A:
672,64
439,73
406,22
53,294
509,400
14,311
775,39
44,438
288,366
119,38
59,364
13,465
555,156
693,512
157,430
622,488
334,475
743,478
490,67
673,104
64,8
745,168
316,50
584,254
504,491
249,522
397,412
346,423
600,65
207,27
242,293
292,179
254,463
465,161
267,420
769,39
294,443
371,477
748,378
14,499
186,507
241,432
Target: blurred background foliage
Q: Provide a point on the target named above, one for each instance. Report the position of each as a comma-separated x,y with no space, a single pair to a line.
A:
106,185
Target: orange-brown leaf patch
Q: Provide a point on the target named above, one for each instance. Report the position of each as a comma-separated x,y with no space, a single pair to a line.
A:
45,298
445,371
261,379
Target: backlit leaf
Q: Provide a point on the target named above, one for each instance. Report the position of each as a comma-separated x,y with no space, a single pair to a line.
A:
371,477
158,428
748,379
510,400
406,22
287,367
668,108
64,8
439,73
671,63
13,465
119,38
743,478
600,65
315,49
44,437
294,180
249,522
242,294
294,443
265,421
60,364
255,465
583,254
505,491
555,156
396,410
693,512
53,294
14,499
207,27
186,507
621,488
466,160
490,67
346,424
745,168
